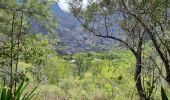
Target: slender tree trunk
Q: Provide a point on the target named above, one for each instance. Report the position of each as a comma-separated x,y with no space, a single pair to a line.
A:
138,71
11,55
17,53
137,78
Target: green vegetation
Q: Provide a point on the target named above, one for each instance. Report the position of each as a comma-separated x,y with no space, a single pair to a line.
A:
93,75
31,69
6,92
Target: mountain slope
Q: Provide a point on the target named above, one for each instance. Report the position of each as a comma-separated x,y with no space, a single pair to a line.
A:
73,38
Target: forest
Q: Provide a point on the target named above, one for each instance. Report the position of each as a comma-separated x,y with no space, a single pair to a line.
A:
84,49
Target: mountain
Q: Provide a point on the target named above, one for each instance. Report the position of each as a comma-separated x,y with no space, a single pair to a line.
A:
73,38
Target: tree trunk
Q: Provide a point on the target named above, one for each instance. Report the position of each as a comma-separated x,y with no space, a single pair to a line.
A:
138,71
137,78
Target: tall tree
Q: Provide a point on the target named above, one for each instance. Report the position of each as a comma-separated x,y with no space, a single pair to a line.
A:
152,15
141,20
17,20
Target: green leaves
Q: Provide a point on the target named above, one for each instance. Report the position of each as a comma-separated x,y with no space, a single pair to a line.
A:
163,94
20,93
20,90
6,94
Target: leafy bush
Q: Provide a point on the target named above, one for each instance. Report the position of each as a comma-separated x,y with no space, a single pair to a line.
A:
19,92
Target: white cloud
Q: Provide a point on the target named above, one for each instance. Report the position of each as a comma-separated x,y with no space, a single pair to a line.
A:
63,4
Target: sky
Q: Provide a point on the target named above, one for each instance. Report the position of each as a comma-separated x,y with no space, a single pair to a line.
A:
63,4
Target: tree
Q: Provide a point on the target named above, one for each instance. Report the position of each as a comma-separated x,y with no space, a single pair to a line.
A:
15,19
153,19
141,21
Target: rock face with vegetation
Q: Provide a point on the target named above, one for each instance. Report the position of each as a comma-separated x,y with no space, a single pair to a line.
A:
73,38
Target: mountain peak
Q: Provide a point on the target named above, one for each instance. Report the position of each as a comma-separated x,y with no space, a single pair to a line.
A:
58,11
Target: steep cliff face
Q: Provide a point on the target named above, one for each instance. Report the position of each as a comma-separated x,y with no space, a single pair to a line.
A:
73,38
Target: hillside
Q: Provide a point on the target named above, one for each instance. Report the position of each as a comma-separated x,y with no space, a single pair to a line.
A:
73,38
